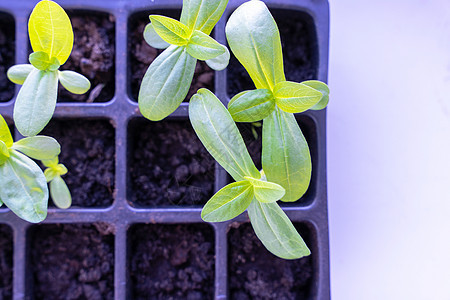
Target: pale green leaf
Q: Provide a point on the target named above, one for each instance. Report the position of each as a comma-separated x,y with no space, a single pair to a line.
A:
251,106
321,87
4,152
40,60
254,39
74,82
19,73
170,30
220,136
5,133
220,62
266,191
276,231
285,154
23,188
166,83
293,97
60,193
153,39
202,15
228,202
36,102
38,147
203,47
50,30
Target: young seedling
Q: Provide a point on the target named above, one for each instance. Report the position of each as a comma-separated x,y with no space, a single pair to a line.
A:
168,78
58,188
217,131
51,38
254,39
23,187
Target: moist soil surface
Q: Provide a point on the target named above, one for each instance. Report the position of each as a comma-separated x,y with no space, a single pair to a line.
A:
6,262
172,262
72,261
141,55
252,135
298,44
168,164
7,43
255,273
88,152
92,56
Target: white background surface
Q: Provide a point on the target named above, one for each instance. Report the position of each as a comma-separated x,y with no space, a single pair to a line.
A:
389,149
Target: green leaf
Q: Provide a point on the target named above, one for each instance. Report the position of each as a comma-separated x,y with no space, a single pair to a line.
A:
254,39
170,30
203,47
41,61
293,97
285,154
228,202
36,102
23,188
166,83
50,30
1,203
74,82
38,147
202,15
276,231
220,62
19,73
266,191
220,135
4,152
60,193
5,134
153,39
251,106
321,87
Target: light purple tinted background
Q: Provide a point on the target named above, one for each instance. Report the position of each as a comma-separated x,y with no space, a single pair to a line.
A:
389,149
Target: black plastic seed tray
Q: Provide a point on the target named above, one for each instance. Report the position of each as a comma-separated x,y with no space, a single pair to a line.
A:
134,230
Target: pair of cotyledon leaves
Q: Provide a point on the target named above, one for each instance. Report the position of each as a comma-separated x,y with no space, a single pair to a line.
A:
168,78
51,38
23,185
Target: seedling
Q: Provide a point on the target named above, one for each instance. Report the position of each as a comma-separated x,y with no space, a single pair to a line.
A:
58,188
168,78
254,39
23,187
216,129
51,38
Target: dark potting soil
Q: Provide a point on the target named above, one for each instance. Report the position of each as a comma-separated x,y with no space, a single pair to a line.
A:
168,164
92,56
299,43
172,261
72,261
141,55
255,273
252,135
88,152
7,43
6,262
